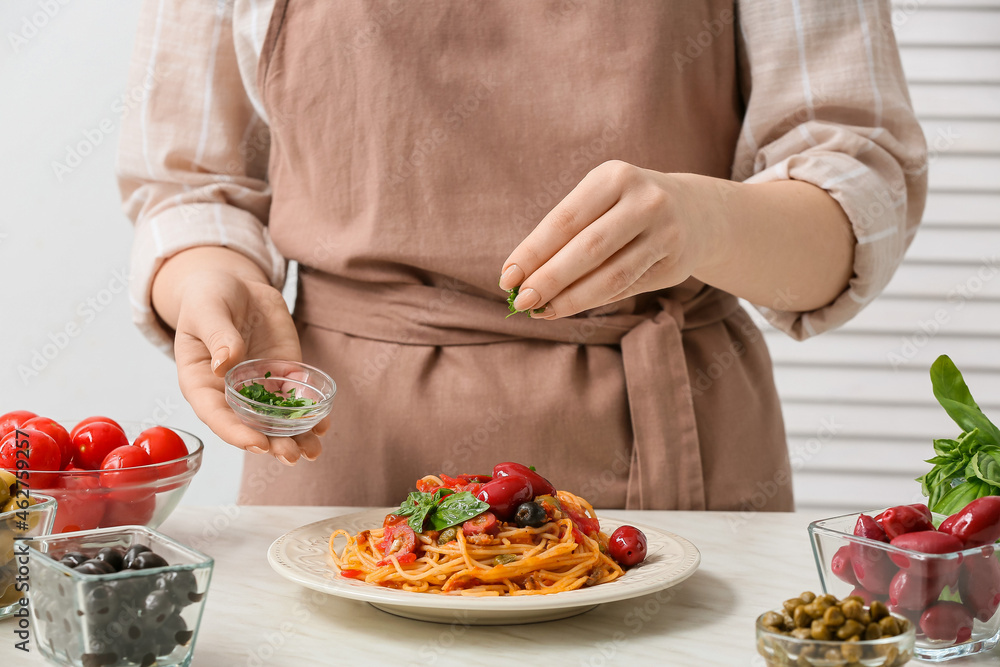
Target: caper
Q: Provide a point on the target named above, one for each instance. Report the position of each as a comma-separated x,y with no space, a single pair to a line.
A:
852,609
790,605
447,535
820,631
888,626
802,633
801,617
849,629
833,617
851,650
807,597
873,631
772,619
878,610
503,559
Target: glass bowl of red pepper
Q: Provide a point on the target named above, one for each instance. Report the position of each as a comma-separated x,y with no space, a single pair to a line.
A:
942,573
279,398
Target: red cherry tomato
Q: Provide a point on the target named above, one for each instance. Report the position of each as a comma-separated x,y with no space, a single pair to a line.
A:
92,442
120,512
897,521
979,585
539,485
163,446
627,546
124,473
977,524
840,565
484,523
13,420
948,621
505,494
57,433
27,451
93,420
81,501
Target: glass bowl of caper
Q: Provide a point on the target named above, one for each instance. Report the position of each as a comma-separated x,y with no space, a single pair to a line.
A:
823,631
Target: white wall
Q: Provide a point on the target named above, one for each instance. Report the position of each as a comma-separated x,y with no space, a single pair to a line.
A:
64,241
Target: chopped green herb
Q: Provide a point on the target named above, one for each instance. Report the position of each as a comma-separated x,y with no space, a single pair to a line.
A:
511,295
257,392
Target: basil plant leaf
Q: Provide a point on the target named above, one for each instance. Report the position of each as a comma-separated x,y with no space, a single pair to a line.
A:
960,496
455,509
985,465
954,396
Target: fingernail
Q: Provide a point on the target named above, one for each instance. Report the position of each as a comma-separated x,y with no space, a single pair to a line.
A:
512,277
220,358
310,458
284,460
527,299
256,450
545,315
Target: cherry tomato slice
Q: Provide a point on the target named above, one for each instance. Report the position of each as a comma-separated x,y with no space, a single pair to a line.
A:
484,523
57,433
94,441
400,541
26,451
13,420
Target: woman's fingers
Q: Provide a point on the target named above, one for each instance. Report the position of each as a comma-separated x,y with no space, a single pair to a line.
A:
593,197
606,283
210,320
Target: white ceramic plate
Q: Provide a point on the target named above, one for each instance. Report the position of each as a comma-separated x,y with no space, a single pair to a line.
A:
302,555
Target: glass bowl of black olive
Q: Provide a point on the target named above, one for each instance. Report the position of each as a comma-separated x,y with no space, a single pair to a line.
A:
112,597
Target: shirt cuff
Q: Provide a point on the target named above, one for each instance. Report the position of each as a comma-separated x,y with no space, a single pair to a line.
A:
189,226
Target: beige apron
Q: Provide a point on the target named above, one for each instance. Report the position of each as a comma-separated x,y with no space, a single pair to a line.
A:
414,145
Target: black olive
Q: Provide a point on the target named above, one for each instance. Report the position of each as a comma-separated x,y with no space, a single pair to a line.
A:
101,601
94,566
146,560
156,608
132,552
72,559
173,632
182,586
530,515
112,556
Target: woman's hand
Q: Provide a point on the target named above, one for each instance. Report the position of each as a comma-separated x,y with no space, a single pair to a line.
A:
224,312
623,230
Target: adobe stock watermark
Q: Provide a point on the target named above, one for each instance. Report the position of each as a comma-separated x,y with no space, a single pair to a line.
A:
911,345
643,612
87,311
695,46
444,642
798,456
370,30
94,136
33,23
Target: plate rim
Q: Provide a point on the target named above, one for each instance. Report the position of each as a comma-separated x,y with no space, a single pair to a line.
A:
678,573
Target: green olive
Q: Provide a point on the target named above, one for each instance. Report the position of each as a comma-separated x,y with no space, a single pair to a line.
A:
447,535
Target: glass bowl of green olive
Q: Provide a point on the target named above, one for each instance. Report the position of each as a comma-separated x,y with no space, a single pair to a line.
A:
25,515
822,631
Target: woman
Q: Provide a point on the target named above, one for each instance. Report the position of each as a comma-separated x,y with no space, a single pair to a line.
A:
630,167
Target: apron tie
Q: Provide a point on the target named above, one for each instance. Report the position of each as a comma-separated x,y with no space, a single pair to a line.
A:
666,465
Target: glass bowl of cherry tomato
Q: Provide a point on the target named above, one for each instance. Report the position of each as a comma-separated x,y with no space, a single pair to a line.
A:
279,398
941,575
101,472
21,516
116,597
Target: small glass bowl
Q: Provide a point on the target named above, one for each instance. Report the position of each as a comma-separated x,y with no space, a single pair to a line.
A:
308,382
86,619
785,651
934,579
146,495
14,525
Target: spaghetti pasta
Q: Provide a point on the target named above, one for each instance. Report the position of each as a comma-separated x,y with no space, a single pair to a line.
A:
566,552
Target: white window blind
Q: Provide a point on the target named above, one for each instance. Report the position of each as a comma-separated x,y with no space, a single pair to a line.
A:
857,402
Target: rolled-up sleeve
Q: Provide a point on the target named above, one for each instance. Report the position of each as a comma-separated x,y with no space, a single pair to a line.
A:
827,103
192,159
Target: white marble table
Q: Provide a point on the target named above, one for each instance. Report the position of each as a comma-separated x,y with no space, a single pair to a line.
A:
254,618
